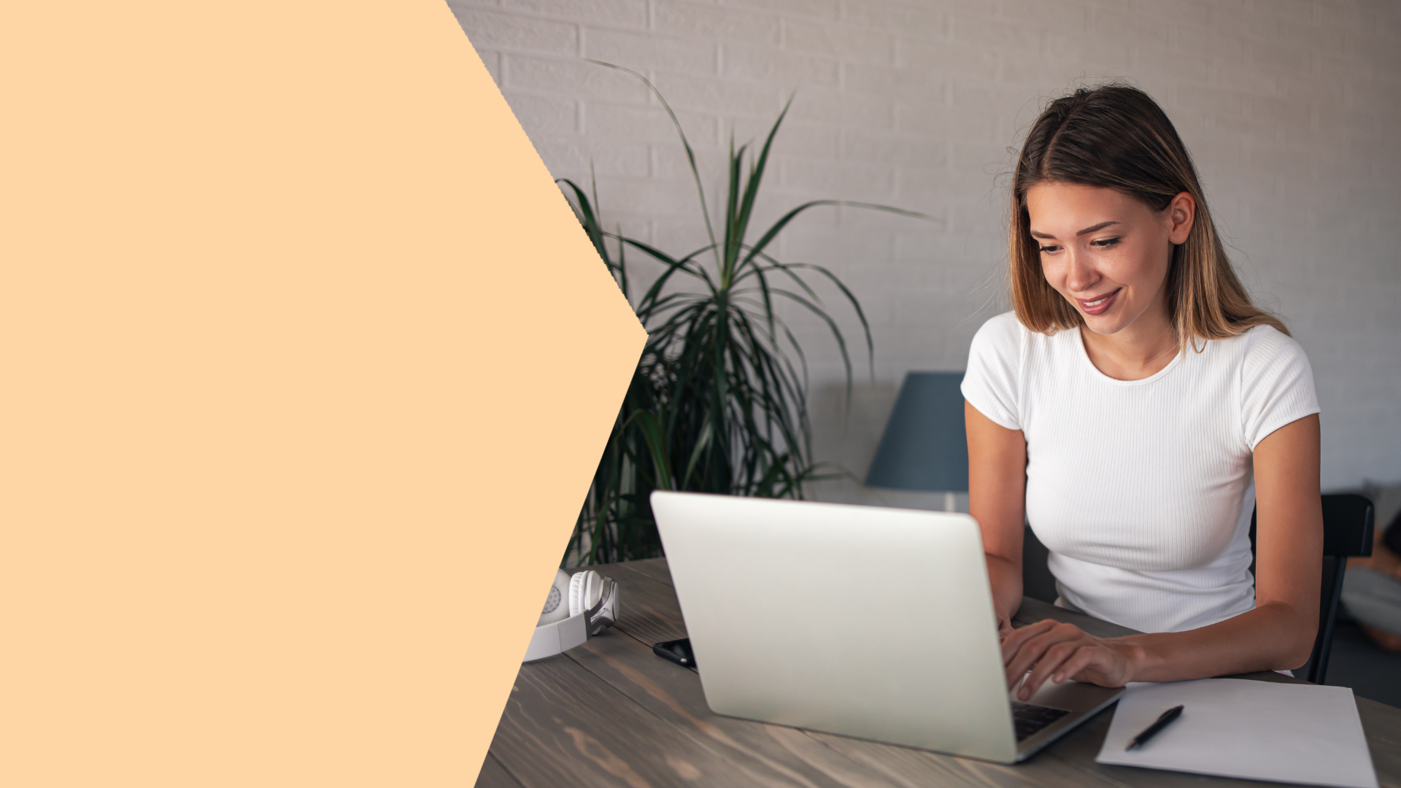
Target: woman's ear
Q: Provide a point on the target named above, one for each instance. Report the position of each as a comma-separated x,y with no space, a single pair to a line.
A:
1181,212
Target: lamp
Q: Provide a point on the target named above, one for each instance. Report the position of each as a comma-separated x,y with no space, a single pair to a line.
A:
924,446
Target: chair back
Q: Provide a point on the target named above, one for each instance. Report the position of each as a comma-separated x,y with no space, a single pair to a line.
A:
1037,580
1347,531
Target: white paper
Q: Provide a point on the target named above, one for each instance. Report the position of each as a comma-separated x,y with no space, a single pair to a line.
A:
1257,730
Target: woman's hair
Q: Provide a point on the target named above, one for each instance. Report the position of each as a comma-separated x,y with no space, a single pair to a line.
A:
1115,136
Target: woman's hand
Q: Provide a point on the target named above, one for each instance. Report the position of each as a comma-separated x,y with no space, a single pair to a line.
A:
1064,651
1004,628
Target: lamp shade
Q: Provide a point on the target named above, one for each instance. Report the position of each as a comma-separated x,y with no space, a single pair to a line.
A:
924,446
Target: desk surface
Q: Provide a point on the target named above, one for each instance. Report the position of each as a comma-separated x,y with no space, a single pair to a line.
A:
612,713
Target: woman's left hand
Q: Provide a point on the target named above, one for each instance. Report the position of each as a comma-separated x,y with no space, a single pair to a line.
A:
1064,651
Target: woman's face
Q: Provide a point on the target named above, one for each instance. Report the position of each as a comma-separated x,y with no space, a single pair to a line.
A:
1107,253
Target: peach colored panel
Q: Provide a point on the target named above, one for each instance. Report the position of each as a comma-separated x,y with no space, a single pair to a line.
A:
306,367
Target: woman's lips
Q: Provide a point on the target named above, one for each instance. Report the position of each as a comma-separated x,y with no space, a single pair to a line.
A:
1097,306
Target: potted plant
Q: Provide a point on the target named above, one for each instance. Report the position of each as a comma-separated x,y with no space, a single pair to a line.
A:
717,403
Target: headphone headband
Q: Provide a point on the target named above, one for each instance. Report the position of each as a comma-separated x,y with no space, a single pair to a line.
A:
552,639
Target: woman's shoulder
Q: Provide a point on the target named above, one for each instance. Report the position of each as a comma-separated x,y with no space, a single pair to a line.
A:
1005,323
1276,381
1001,331
1263,347
1006,336
998,342
1268,339
991,382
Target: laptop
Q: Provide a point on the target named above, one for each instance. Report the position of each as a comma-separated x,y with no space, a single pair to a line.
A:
856,620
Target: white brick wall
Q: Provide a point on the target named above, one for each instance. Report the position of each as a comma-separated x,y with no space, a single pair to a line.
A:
1291,109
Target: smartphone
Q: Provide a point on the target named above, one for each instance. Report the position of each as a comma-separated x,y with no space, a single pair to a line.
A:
678,651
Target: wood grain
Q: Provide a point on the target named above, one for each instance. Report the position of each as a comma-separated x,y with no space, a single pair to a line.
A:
565,726
769,755
907,766
494,775
675,694
613,713
654,568
1382,725
649,610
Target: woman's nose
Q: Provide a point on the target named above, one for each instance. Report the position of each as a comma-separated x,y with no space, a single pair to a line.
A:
1081,275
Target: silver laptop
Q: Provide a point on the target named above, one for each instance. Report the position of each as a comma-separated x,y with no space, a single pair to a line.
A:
867,622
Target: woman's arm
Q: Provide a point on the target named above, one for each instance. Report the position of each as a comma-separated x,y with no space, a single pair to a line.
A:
1277,634
997,499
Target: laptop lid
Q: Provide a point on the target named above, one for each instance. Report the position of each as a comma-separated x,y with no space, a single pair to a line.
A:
867,622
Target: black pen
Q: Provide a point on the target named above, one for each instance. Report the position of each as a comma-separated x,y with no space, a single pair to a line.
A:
1163,721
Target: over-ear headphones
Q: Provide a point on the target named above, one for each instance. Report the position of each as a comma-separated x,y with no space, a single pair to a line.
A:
576,608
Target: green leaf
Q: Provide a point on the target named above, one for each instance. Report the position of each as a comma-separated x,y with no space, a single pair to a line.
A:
718,402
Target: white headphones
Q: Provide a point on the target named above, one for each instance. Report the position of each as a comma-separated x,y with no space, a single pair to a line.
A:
592,605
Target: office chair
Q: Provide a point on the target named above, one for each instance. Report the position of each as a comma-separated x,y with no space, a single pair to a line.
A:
1347,531
1037,580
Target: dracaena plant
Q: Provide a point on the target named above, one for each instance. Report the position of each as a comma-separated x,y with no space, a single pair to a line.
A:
718,402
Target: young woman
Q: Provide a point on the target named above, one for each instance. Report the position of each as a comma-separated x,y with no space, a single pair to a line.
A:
1123,408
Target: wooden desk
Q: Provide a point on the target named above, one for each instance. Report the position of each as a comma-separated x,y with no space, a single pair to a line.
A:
612,713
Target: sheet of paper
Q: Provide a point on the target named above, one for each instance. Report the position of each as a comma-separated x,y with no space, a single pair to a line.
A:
1258,730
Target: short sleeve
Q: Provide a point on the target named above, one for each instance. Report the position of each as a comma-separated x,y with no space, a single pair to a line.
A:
994,371
1276,384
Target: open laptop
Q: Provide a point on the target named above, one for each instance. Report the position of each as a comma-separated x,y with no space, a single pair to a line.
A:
867,622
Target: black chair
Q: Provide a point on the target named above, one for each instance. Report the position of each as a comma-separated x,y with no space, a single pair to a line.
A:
1037,580
1347,531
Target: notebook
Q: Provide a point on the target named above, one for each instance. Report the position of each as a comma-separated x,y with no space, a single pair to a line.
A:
1254,730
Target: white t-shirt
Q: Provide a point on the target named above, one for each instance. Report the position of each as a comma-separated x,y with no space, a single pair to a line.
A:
1136,486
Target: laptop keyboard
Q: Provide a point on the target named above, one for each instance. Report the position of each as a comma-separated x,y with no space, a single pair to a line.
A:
1029,719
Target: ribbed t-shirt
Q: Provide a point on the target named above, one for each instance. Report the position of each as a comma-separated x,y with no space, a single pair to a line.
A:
1136,486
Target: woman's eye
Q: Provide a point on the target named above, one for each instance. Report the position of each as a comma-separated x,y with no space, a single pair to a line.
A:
1104,243
1048,249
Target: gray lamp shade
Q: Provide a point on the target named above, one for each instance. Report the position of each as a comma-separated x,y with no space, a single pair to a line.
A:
924,446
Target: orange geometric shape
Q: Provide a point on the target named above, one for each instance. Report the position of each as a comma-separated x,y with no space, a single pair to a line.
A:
307,368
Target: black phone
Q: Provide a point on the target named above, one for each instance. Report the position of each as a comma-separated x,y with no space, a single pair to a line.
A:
678,651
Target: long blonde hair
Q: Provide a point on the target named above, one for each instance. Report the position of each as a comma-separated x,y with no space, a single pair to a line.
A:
1115,136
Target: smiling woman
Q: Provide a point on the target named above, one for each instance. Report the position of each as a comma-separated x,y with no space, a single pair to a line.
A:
1123,409
1113,270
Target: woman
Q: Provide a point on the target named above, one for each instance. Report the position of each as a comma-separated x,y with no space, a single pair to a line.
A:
1122,408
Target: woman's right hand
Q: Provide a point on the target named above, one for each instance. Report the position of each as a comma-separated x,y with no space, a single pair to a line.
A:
1004,627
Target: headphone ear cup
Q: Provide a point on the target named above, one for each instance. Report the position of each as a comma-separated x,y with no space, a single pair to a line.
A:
593,590
557,603
576,593
585,589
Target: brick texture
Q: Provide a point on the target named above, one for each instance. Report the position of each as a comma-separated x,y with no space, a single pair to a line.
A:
1291,110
